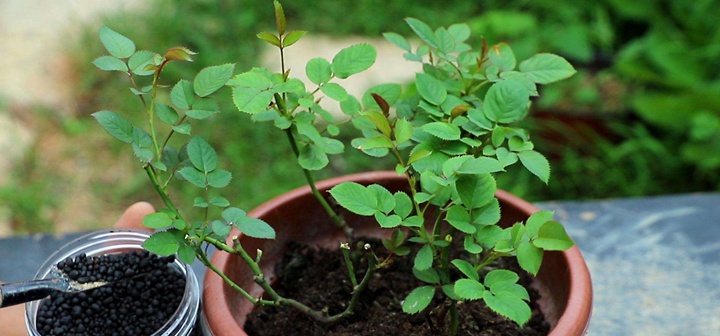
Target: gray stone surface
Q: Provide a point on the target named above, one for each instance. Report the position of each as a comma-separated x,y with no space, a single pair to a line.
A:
654,261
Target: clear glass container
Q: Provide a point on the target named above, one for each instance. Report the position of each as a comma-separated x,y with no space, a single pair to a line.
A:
181,323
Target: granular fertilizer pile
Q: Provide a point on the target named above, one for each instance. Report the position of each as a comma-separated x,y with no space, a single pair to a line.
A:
147,292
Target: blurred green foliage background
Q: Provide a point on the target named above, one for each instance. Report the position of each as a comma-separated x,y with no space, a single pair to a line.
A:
641,117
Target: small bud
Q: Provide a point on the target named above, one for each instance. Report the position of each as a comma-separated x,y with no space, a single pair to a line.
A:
345,246
448,238
259,254
367,247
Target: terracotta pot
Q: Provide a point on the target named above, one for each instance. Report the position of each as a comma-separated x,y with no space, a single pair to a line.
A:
563,280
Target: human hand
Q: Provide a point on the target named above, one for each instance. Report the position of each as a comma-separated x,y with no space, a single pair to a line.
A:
12,318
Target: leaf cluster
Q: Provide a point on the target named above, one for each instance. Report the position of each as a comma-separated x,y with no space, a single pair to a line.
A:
451,134
194,162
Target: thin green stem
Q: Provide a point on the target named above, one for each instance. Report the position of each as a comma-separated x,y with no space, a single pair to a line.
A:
453,318
159,188
348,263
339,221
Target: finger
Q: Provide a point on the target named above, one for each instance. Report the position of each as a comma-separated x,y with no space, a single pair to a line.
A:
132,217
9,318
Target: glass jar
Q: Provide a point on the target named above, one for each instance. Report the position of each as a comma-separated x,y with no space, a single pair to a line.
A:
181,323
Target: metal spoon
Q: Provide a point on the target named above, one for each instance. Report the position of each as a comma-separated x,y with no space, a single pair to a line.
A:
26,291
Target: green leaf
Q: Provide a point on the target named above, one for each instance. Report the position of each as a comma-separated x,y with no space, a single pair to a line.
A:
183,128
506,102
398,40
476,191
418,155
269,38
459,218
536,163
379,141
110,63
536,220
186,254
233,214
385,199
182,94
469,289
480,165
380,121
424,258
387,222
157,220
470,246
318,70
292,37
312,157
509,306
334,91
203,108
115,124
162,243
413,221
466,268
442,130
430,88
488,214
423,31
145,155
219,201
251,100
403,204
116,44
546,68
552,237
351,106
139,62
353,59
193,176
355,198
219,178
389,92
500,276
166,113
200,202
202,155
502,56
529,257
403,131
212,78
255,228
254,78
429,275
418,299
221,229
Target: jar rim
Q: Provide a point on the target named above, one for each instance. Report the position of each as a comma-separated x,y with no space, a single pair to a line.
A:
116,241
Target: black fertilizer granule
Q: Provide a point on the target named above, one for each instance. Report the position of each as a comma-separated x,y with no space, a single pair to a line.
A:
147,292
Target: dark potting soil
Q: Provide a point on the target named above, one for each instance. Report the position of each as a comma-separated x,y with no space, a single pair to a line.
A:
319,278
148,292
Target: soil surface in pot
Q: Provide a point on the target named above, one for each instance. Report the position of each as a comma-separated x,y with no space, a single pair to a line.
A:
147,294
319,278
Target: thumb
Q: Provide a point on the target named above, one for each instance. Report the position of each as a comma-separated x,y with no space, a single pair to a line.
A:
132,217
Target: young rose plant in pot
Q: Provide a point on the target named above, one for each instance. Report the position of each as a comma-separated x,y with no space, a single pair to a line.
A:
450,133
